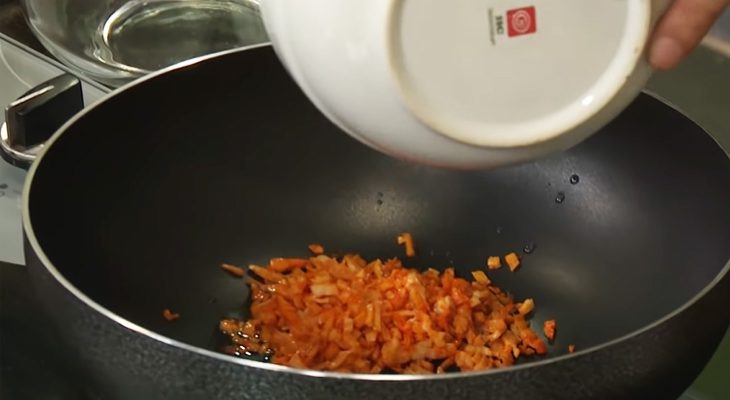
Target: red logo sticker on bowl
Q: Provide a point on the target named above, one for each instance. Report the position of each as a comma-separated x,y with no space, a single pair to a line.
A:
521,21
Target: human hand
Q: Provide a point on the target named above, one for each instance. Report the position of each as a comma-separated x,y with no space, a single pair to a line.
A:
681,29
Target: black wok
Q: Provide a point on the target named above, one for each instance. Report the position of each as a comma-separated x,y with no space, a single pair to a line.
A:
136,202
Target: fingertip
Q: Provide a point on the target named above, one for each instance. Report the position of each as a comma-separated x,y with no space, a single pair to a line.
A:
665,53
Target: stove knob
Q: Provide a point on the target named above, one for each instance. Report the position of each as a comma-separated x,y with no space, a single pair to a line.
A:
36,115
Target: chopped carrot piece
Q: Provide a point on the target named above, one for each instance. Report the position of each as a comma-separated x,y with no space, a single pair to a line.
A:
548,328
571,348
407,240
316,249
233,270
169,315
286,264
530,339
481,277
512,260
267,274
347,314
493,262
445,365
526,307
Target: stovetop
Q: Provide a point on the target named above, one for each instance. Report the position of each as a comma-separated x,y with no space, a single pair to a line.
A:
30,365
21,69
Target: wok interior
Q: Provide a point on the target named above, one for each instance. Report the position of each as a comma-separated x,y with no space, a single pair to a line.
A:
228,162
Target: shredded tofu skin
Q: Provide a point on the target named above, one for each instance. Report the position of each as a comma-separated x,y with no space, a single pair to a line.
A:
406,239
233,270
347,314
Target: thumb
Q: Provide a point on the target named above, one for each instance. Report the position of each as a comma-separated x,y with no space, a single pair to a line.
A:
681,29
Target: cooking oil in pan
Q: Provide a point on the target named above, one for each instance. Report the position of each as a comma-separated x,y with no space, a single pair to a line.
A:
529,248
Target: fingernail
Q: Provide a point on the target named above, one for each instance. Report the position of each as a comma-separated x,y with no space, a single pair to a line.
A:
665,53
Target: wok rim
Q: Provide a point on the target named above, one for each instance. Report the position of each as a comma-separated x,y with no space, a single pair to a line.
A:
135,328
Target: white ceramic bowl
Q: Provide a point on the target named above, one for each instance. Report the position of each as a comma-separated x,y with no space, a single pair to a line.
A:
469,83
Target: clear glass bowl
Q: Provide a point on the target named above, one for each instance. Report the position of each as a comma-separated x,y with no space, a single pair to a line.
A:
115,41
